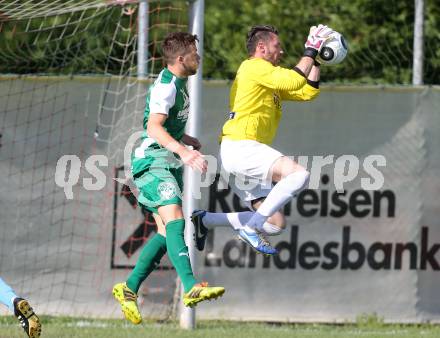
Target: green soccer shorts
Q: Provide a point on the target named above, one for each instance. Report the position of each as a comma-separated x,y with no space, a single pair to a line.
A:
160,186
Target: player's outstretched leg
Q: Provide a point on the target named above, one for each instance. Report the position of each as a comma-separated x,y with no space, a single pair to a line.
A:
128,300
255,239
204,220
27,317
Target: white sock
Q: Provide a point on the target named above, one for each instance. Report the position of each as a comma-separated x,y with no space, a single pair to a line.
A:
281,193
220,219
236,220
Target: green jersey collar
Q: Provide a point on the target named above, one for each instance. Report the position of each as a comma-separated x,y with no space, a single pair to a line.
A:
179,80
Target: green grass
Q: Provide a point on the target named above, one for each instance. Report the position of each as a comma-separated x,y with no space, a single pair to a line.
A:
86,328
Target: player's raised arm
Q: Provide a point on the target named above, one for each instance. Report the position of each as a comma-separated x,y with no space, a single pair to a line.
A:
308,67
309,91
315,40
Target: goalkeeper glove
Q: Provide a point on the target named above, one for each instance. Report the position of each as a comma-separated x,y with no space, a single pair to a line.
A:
315,40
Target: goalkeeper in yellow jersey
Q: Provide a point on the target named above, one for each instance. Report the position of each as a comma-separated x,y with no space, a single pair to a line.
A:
245,153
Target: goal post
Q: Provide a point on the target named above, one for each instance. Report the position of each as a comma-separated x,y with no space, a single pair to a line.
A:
142,52
197,8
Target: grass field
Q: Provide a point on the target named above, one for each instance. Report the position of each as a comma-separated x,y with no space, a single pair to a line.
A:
86,328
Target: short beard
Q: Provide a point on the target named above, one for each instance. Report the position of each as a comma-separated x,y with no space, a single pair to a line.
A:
268,58
189,71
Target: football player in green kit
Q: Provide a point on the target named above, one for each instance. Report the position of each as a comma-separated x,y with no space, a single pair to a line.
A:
158,175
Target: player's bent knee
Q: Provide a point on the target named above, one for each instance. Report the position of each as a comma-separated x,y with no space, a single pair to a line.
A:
284,167
278,220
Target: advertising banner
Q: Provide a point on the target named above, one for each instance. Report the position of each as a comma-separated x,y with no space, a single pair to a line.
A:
354,244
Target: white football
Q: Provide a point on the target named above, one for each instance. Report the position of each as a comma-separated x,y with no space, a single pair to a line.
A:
334,50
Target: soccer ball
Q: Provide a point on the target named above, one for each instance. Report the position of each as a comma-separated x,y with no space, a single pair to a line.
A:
334,50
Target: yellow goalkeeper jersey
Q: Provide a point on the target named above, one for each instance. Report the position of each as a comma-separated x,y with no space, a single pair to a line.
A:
255,99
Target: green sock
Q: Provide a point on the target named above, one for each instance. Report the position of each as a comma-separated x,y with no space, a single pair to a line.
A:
147,262
178,252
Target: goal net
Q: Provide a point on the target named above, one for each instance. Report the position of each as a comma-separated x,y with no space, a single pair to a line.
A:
68,86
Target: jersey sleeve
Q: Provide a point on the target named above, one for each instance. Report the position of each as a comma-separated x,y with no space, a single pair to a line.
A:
306,93
279,78
162,98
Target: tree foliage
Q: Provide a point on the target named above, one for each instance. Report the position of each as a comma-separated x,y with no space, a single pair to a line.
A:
379,32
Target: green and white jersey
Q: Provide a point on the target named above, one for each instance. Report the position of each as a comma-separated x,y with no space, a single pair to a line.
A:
167,95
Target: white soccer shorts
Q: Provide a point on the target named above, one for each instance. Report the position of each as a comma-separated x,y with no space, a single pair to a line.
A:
246,165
